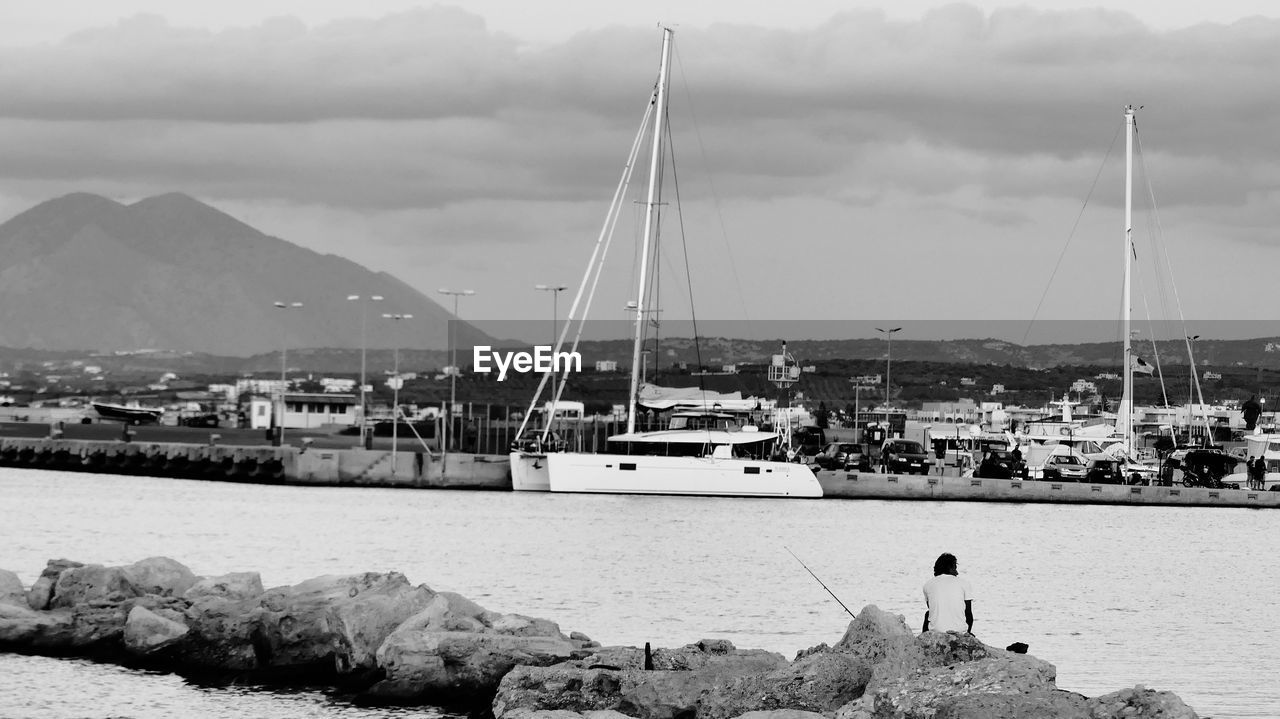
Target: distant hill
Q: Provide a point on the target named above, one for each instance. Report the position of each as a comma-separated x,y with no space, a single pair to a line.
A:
83,272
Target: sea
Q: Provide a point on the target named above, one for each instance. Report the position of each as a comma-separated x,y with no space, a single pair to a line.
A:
1170,598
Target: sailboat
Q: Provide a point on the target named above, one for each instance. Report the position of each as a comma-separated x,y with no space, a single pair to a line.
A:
705,456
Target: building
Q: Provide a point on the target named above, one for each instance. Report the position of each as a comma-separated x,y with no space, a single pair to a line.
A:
304,410
1211,376
997,389
606,365
334,384
1084,386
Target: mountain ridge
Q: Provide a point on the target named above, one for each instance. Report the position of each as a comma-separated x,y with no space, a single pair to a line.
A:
85,272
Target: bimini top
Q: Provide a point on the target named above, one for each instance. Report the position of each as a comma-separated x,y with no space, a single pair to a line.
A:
696,436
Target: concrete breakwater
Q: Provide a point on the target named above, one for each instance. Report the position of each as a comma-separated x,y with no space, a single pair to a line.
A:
855,485
260,464
383,640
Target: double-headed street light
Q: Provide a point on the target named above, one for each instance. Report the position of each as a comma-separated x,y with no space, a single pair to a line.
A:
888,364
395,383
284,383
555,291
453,369
363,345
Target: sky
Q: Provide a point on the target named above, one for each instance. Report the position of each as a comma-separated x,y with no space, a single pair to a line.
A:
837,161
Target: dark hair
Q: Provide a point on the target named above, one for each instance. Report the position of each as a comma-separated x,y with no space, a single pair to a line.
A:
946,564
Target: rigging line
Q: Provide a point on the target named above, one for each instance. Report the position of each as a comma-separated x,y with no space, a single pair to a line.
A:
1173,283
715,195
1070,235
1155,352
684,243
598,254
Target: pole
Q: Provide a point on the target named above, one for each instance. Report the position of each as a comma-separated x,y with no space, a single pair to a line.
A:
364,406
453,374
284,382
888,366
1126,402
395,390
555,291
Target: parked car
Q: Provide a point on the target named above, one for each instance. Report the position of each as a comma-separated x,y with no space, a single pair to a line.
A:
1105,471
1064,467
997,464
905,456
843,456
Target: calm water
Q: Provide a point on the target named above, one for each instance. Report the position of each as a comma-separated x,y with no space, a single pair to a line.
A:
1172,598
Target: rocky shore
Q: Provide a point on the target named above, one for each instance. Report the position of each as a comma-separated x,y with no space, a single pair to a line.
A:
378,639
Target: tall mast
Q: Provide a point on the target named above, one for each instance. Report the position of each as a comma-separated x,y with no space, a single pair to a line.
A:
1125,421
651,209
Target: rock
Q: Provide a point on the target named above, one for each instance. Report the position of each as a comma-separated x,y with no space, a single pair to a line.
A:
337,621
22,626
41,592
454,647
234,586
925,693
92,582
685,682
222,636
820,683
1140,703
146,632
161,576
11,589
1054,705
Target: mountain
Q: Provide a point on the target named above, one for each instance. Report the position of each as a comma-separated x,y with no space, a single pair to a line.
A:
86,272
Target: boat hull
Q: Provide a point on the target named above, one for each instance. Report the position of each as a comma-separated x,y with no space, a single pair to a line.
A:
700,476
529,472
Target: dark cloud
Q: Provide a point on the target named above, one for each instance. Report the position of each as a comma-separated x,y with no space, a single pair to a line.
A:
430,108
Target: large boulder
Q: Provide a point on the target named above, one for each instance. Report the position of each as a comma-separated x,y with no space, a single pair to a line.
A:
335,622
41,591
21,627
223,634
456,648
90,583
1140,703
234,586
161,576
147,632
11,589
711,678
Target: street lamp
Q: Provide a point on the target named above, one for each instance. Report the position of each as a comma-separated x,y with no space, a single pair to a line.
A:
395,383
453,373
363,345
555,291
888,364
284,383
1191,384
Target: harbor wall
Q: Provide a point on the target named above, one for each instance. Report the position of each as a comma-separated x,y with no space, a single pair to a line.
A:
260,464
856,485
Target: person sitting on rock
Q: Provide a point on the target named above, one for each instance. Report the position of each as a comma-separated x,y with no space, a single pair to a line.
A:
948,598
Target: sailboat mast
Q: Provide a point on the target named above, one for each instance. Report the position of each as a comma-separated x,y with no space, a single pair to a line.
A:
651,209
1126,401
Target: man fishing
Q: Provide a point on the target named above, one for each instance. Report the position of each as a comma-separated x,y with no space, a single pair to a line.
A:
948,597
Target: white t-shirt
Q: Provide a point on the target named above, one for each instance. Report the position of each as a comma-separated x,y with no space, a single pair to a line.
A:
945,596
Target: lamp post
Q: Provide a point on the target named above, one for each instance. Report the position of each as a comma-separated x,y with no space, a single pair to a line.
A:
888,365
363,345
453,373
395,383
1191,383
284,383
555,291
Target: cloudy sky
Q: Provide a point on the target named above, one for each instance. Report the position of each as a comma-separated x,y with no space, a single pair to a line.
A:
882,161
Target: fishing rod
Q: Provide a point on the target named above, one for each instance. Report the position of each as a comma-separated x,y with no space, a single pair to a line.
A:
824,586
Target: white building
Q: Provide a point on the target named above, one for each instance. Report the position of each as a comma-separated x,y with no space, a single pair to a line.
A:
335,384
997,389
606,365
225,391
266,387
1084,386
304,410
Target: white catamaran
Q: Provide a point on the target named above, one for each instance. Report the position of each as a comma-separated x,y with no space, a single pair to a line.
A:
704,455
